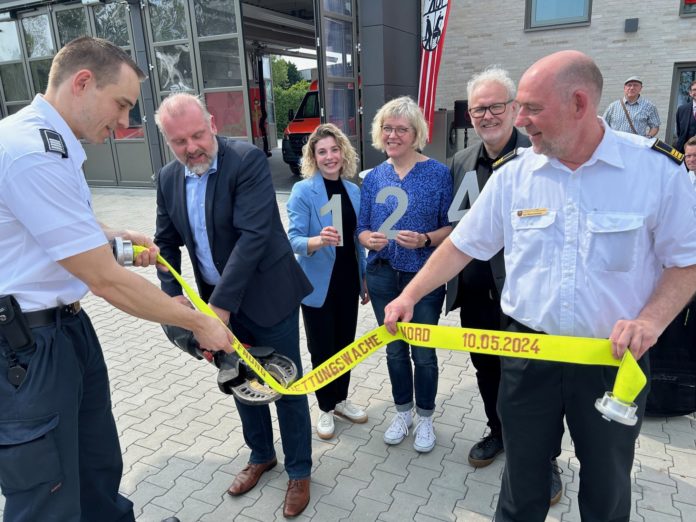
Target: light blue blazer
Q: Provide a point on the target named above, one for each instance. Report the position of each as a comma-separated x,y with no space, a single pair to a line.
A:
306,199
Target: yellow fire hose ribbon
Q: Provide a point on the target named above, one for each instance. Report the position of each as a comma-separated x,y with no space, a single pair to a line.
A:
630,379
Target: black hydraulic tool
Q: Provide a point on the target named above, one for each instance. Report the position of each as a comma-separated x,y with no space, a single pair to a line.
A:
235,376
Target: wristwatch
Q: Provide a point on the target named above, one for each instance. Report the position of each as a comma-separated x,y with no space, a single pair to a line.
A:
428,241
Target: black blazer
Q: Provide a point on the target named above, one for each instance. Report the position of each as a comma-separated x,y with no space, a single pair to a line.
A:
464,161
259,273
686,125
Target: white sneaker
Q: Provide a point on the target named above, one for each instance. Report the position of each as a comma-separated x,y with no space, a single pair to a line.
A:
325,425
398,430
424,435
351,412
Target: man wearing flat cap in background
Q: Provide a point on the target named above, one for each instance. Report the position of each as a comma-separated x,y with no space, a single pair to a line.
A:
633,113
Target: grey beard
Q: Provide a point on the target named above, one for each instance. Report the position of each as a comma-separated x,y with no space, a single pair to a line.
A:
200,168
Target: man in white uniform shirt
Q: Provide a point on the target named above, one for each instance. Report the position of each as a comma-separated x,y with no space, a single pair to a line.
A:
599,232
59,453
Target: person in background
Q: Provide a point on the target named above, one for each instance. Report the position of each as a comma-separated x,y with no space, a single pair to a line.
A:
332,258
686,120
477,288
403,217
690,159
633,113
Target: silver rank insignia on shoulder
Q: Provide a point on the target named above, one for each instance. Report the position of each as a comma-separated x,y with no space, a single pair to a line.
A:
53,142
502,161
670,152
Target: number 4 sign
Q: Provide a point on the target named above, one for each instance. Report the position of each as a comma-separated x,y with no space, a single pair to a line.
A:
469,185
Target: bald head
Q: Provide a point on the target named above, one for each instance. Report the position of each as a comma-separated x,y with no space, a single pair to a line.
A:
176,105
558,98
568,71
189,130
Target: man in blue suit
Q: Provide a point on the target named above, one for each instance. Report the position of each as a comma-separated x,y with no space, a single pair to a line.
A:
217,199
686,120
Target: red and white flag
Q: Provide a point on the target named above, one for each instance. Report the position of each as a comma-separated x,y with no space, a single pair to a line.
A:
433,25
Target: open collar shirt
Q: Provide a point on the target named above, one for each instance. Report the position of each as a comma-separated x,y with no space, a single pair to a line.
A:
583,248
642,111
196,187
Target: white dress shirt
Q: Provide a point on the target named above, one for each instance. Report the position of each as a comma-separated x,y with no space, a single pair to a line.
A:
45,209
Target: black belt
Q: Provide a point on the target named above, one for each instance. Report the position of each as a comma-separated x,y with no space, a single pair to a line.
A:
50,315
522,328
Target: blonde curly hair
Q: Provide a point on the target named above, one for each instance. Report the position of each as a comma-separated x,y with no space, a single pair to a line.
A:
329,130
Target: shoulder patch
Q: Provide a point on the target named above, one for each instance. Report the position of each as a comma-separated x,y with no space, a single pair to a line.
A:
53,142
671,152
502,161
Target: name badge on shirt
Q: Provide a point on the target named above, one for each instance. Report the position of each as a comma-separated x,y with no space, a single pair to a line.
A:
530,212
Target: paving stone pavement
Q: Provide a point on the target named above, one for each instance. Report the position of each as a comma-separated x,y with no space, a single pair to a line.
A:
182,440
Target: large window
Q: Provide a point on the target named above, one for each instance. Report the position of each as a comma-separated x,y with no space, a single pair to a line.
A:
687,7
13,80
547,14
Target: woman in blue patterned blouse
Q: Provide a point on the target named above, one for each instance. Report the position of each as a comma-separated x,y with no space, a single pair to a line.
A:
403,217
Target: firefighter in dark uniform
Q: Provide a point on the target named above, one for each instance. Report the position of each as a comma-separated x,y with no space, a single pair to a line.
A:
59,453
476,290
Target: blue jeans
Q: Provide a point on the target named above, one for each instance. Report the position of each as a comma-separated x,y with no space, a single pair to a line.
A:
293,410
385,284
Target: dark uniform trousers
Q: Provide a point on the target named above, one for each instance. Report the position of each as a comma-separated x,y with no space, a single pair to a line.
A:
60,458
481,309
533,398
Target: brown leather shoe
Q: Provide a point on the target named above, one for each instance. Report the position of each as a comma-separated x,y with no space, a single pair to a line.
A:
249,476
297,497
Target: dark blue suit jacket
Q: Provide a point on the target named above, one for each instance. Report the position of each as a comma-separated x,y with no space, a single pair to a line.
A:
686,125
259,274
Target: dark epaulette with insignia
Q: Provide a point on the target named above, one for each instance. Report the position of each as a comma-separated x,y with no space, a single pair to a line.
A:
53,142
502,161
671,152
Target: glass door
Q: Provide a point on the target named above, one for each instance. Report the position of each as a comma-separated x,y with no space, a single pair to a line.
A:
339,91
197,47
684,74
124,158
14,85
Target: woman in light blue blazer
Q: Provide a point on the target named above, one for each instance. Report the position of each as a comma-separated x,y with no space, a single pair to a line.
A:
323,210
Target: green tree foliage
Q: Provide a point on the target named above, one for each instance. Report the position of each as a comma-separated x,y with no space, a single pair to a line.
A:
279,72
286,99
293,74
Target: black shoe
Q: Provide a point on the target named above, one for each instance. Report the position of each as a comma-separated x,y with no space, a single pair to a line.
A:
486,450
556,484
171,519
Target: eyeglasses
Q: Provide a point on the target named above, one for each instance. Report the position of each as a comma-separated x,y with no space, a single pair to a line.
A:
495,109
400,131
